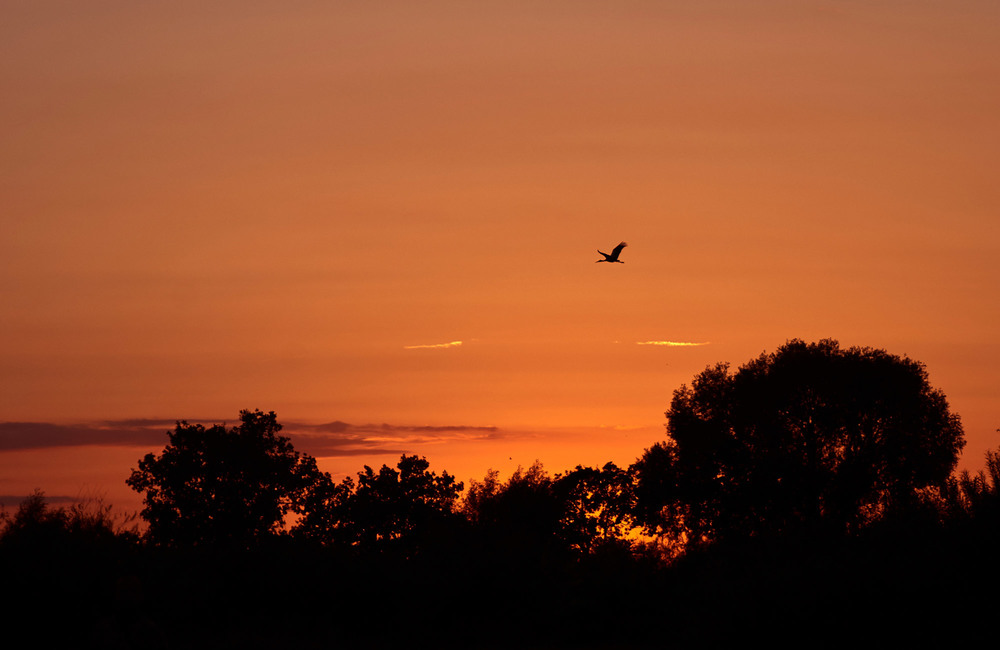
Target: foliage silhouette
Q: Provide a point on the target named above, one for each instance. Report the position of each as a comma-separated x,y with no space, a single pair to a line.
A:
391,509
55,563
812,438
519,517
895,580
969,497
531,512
543,558
598,506
228,487
34,522
91,522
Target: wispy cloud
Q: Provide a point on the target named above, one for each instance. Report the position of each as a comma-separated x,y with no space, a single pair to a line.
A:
433,346
673,344
39,435
12,501
335,438
343,439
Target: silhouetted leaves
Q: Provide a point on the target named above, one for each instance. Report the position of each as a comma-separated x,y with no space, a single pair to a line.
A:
811,437
773,464
90,523
217,486
518,517
598,506
57,563
392,509
534,513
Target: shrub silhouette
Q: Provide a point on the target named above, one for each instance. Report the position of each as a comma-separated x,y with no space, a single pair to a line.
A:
89,523
974,497
62,561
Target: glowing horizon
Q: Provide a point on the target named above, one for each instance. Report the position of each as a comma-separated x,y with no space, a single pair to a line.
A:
390,215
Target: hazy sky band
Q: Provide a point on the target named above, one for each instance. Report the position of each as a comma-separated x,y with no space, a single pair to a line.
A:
391,213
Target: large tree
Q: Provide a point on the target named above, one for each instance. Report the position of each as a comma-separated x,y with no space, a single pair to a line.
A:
223,486
812,437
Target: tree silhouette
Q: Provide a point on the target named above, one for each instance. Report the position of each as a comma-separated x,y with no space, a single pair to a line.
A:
219,486
810,437
91,522
65,557
598,505
975,496
324,517
389,509
35,525
576,511
525,511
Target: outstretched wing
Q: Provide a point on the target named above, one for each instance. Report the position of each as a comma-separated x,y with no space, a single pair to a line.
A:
618,250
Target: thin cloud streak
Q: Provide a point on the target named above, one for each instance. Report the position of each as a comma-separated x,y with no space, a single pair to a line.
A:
343,439
12,501
15,436
673,344
434,346
335,438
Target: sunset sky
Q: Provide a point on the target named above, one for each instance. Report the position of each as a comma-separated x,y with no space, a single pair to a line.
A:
381,220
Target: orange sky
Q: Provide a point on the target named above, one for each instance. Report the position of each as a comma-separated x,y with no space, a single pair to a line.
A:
216,206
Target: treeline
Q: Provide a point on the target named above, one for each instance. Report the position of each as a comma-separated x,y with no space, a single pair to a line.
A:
808,497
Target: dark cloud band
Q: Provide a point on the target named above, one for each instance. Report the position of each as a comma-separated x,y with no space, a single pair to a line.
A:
329,439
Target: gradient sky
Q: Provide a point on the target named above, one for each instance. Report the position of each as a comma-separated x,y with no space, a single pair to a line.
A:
380,220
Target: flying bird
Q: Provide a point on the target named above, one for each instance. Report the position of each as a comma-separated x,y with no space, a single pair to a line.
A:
613,257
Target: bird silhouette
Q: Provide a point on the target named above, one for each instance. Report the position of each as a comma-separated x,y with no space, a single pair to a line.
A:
613,257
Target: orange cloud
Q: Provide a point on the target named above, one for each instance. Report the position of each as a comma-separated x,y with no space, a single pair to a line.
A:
434,346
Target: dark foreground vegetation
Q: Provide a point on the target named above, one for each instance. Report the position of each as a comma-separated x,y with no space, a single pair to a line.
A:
808,498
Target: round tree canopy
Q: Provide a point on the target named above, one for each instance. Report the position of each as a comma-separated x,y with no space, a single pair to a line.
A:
810,436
